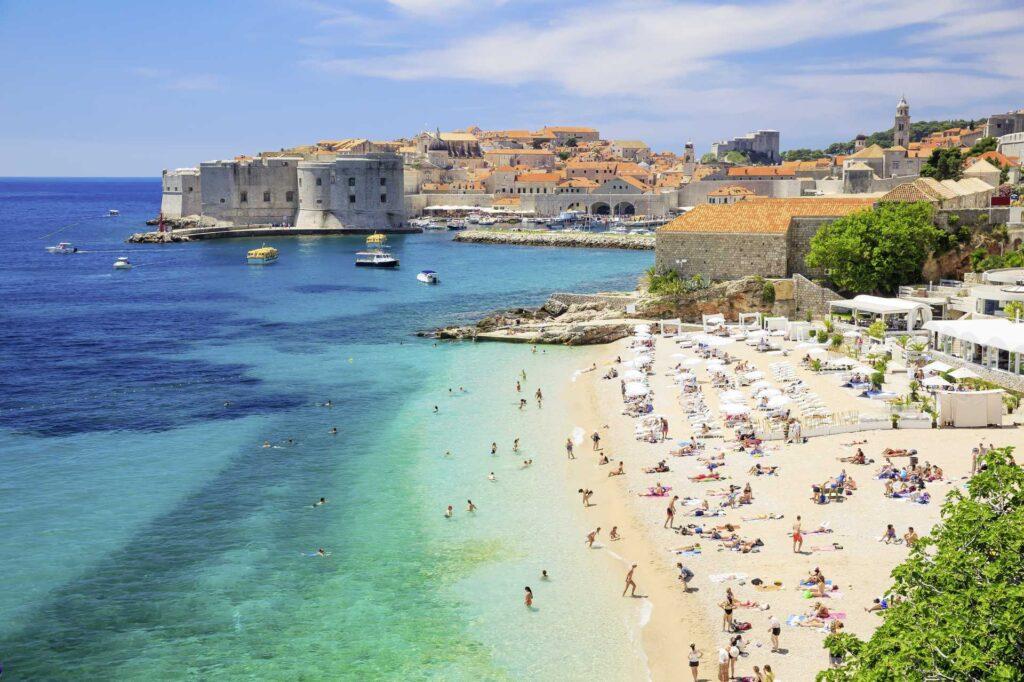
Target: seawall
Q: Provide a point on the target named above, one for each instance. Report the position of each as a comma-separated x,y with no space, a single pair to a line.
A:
592,240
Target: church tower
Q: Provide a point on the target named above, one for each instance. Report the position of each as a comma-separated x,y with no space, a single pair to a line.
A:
901,129
688,153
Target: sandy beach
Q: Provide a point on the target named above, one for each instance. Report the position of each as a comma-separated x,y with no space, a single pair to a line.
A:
850,555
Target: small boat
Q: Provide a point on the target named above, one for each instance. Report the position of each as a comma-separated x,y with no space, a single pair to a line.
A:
63,247
113,212
435,225
456,224
122,263
265,255
377,255
428,277
487,221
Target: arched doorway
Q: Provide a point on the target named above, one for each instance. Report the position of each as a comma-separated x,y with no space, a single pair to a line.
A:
625,208
601,208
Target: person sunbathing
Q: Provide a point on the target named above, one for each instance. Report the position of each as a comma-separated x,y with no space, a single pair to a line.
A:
748,495
818,587
603,459
687,548
617,472
857,458
661,468
759,470
764,517
706,477
878,605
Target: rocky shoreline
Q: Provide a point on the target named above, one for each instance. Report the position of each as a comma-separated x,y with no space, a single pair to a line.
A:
592,240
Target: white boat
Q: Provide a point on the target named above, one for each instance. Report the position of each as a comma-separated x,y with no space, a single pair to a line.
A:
487,221
377,255
428,277
113,212
63,247
435,225
456,224
122,263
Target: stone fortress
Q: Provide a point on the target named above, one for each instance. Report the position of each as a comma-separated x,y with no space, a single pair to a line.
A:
347,190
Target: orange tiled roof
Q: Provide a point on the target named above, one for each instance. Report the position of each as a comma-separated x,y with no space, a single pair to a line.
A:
567,129
761,172
586,183
521,152
994,157
731,191
761,215
538,177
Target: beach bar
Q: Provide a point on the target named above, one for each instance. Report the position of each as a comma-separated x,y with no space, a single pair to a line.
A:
898,315
990,343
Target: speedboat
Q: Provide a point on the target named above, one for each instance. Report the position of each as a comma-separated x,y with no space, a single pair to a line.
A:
377,255
428,277
63,247
456,224
487,221
265,255
113,212
122,263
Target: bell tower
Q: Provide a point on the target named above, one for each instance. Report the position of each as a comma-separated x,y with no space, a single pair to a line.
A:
901,128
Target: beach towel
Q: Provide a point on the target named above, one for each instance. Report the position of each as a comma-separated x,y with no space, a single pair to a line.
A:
794,621
688,552
725,577
769,588
650,492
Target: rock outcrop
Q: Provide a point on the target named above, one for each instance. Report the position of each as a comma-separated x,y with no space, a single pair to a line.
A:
729,298
592,240
156,238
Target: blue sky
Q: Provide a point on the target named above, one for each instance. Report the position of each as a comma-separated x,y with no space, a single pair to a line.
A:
104,88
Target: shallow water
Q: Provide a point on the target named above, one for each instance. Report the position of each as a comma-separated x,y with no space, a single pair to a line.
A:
146,532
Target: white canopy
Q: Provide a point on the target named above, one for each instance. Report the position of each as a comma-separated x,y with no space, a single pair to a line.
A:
753,376
777,401
761,383
817,351
691,362
935,381
636,389
935,367
1003,334
768,393
963,373
679,356
878,305
730,396
642,328
632,375
734,408
643,336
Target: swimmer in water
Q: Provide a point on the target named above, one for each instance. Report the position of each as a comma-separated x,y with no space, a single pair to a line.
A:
328,404
334,430
227,403
322,500
449,512
266,443
494,448
435,409
544,574
461,389
527,462
529,597
470,507
490,477
447,453
290,441
515,445
321,552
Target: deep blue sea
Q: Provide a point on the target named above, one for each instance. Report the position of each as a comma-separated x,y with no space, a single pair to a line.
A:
148,533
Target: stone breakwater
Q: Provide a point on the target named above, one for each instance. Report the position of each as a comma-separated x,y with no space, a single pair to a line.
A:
591,240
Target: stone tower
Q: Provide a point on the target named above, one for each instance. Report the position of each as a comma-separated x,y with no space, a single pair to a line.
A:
901,129
688,153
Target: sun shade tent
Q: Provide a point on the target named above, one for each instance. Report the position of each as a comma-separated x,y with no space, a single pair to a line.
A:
898,314
636,390
936,368
963,373
970,409
632,375
935,382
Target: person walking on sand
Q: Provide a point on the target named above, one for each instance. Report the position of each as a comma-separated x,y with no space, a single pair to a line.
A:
664,428
596,438
798,538
630,583
591,536
769,675
728,604
568,448
670,513
774,629
694,657
586,493
528,597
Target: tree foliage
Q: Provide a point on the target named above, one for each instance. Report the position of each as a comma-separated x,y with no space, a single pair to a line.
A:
982,260
1014,310
961,612
883,138
944,164
737,157
985,144
876,250
877,330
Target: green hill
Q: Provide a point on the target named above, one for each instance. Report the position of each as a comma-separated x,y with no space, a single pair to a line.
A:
918,131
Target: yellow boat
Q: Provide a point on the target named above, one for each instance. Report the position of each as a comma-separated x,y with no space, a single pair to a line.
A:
265,255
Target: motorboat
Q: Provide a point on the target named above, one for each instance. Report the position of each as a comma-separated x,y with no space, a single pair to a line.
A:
122,263
377,253
113,212
428,277
456,224
63,248
435,225
487,220
265,255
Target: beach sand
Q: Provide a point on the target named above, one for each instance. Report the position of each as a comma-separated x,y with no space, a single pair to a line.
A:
860,569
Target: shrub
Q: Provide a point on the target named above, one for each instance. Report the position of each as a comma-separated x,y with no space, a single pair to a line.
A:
768,293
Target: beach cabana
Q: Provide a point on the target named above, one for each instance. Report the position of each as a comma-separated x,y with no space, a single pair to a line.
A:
963,373
711,322
971,409
936,368
750,320
935,382
636,390
898,315
989,343
798,331
776,324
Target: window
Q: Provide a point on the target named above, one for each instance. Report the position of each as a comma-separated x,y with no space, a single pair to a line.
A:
266,196
351,182
289,196
189,189
245,197
383,182
351,198
222,201
319,201
383,198
319,181
300,182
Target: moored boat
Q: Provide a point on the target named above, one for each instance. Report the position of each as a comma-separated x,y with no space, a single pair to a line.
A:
377,254
428,277
122,263
62,248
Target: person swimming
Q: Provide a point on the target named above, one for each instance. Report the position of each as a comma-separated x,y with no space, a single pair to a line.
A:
266,444
470,507
490,477
449,512
321,501
334,430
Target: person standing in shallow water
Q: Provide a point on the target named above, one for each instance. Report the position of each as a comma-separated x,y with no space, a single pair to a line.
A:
528,597
568,448
630,583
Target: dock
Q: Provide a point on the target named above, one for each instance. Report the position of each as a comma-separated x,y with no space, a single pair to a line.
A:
589,240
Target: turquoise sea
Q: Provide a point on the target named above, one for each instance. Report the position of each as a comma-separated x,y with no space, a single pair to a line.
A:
147,534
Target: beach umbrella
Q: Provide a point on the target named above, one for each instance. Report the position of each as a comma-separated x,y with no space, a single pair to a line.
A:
935,382
963,373
760,383
851,334
717,369
936,367
844,362
734,408
817,351
691,362
636,389
768,393
679,356
643,336
806,344
753,376
730,396
775,402
760,333
632,375
642,328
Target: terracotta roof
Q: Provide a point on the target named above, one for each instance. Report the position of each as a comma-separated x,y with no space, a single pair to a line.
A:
578,182
997,157
521,152
567,129
921,189
761,215
629,144
872,152
761,172
538,177
981,166
630,180
731,191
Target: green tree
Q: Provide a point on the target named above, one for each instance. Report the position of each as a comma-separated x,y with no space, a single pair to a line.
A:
768,293
571,142
943,164
985,144
960,615
708,158
877,249
1014,310
737,157
877,330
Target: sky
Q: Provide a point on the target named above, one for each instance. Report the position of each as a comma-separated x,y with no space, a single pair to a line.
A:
129,88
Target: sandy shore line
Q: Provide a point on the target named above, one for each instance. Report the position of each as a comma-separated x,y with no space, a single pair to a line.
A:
860,569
